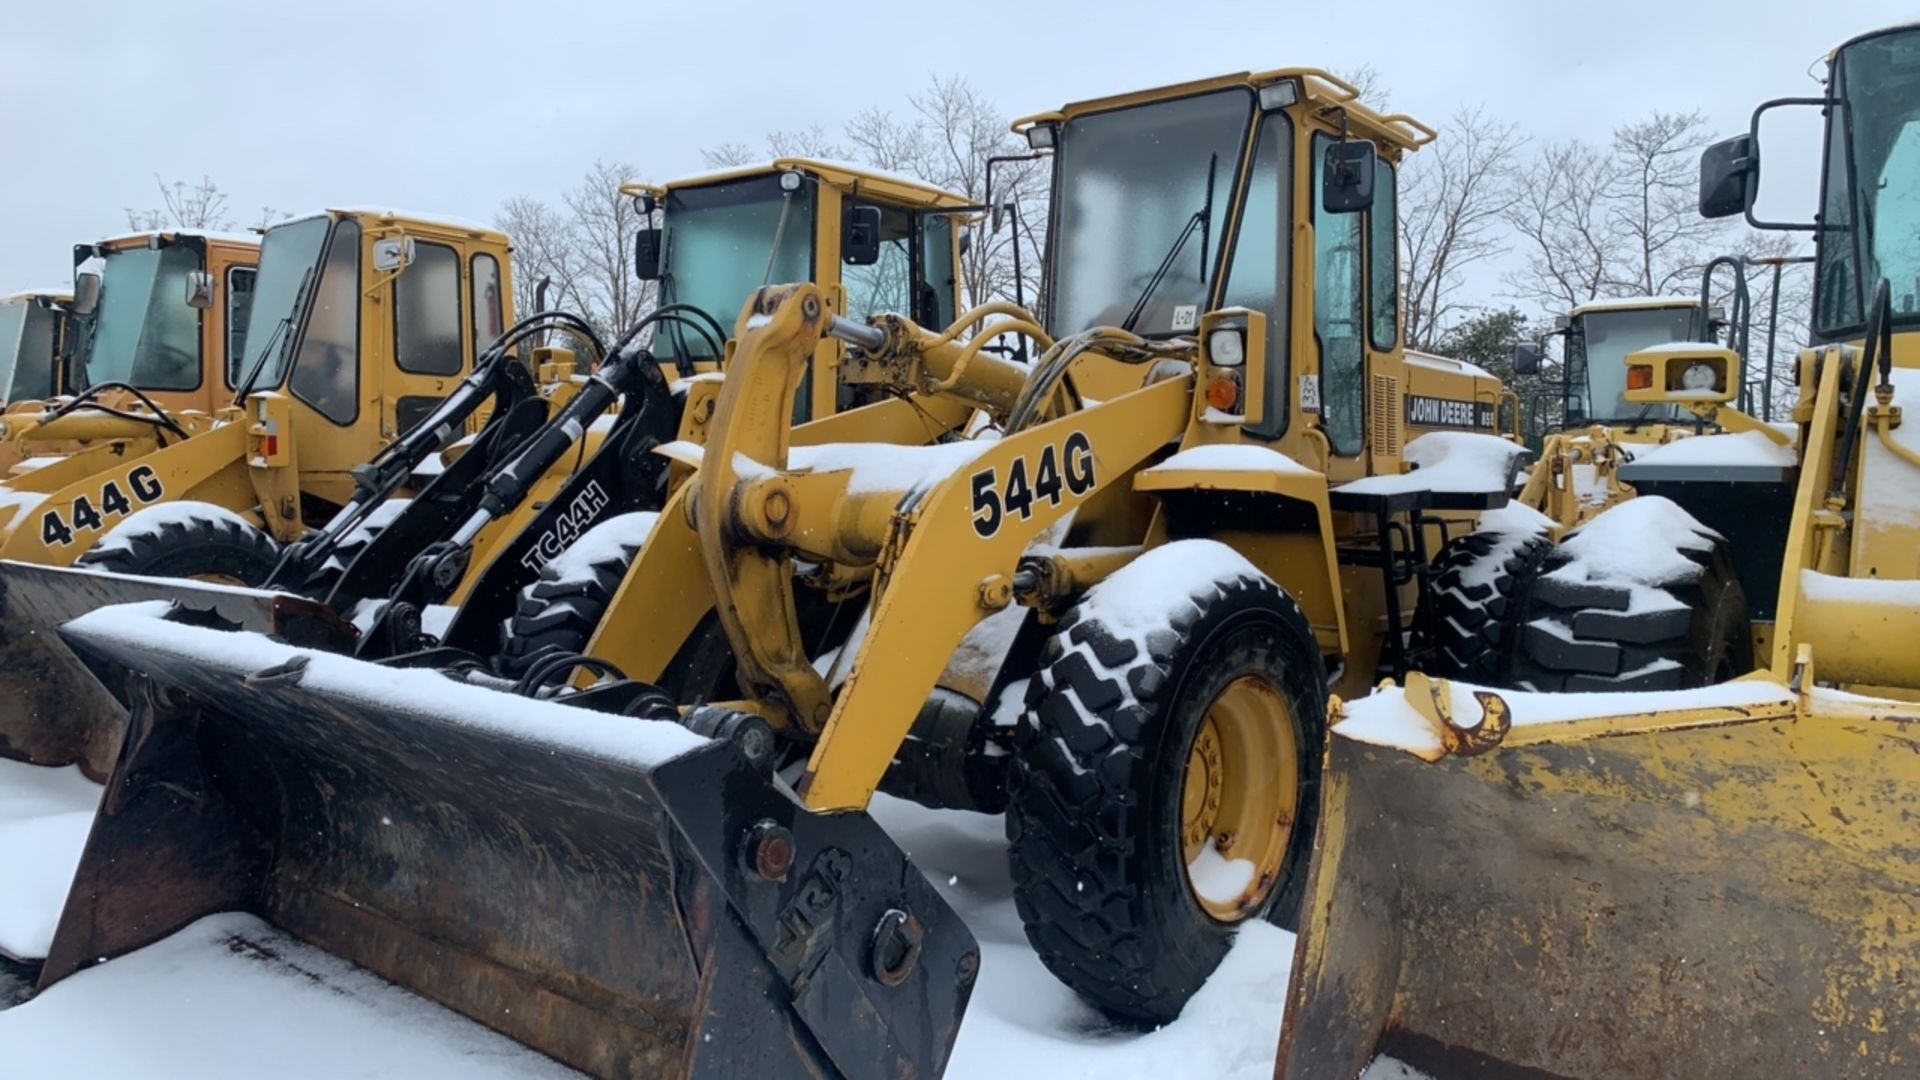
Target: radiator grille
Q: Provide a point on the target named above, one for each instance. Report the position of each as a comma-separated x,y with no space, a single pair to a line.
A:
1384,415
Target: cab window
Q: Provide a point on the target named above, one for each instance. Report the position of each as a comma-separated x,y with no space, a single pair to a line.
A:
489,318
1337,317
1259,277
239,307
426,312
326,372
886,286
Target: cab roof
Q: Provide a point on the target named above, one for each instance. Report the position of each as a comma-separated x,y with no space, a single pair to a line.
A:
1634,303
123,241
393,215
1321,89
843,175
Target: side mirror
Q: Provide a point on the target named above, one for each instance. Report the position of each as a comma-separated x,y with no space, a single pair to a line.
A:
860,236
1729,177
392,253
1527,358
86,293
646,255
199,290
966,243
1346,184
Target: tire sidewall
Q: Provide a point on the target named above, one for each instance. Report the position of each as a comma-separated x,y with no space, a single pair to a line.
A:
211,545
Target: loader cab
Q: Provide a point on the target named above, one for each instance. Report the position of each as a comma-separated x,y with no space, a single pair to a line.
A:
363,319
1256,212
1599,335
875,243
166,312
33,332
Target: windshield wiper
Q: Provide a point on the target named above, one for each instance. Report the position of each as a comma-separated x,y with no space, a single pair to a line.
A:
279,337
1202,220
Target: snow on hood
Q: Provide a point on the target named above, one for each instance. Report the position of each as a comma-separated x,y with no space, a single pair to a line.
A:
642,743
1739,448
1450,461
1234,457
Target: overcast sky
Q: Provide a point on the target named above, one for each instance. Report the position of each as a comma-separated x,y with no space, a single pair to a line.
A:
455,106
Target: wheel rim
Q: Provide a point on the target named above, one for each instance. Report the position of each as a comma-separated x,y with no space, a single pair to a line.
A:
1240,798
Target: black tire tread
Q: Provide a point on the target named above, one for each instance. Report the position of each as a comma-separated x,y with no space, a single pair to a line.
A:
1075,787
1470,624
211,543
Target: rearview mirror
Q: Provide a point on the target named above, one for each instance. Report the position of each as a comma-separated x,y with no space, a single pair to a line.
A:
860,237
392,253
86,292
646,255
199,290
1527,358
1729,176
1346,184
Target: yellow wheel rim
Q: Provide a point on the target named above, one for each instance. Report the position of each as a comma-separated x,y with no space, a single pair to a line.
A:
1240,798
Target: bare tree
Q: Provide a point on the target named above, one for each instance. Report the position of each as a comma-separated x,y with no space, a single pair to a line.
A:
603,228
543,249
809,142
183,206
1453,200
1613,222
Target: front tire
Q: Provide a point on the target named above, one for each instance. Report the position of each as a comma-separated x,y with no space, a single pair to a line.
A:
1166,784
186,540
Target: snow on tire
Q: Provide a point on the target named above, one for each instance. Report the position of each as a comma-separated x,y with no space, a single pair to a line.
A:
560,610
1643,597
1102,820
186,539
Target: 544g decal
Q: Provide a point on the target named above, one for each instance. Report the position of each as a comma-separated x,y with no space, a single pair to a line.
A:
90,514
1058,472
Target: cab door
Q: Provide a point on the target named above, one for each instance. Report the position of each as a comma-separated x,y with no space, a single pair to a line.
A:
430,347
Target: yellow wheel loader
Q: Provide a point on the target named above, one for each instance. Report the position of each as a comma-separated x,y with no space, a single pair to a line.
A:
36,328
1119,621
1712,883
145,343
359,323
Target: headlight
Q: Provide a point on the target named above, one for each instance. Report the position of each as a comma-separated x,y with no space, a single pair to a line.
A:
1226,348
1698,377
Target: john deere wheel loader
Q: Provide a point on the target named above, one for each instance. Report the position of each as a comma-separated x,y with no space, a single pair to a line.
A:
1714,883
1155,592
147,340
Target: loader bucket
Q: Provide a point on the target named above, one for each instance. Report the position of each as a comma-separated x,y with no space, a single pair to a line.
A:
1685,890
52,712
618,893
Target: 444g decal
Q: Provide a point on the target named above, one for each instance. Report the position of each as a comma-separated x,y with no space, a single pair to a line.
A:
1056,473
89,514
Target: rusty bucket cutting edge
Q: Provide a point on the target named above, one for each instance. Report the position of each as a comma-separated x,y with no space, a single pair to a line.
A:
54,710
686,918
1731,900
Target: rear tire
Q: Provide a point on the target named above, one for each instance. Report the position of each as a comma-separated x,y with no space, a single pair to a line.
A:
1473,594
1102,814
1687,632
189,540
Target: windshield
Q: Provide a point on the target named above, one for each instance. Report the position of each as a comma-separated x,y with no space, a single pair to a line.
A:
1131,181
143,331
1873,182
288,255
1601,342
715,244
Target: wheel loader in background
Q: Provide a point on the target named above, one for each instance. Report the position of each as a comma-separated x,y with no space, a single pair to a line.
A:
1715,883
36,328
146,340
478,534
1117,619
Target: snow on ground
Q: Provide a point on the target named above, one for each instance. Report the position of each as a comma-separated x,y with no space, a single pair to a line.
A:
1024,1022
229,996
44,818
